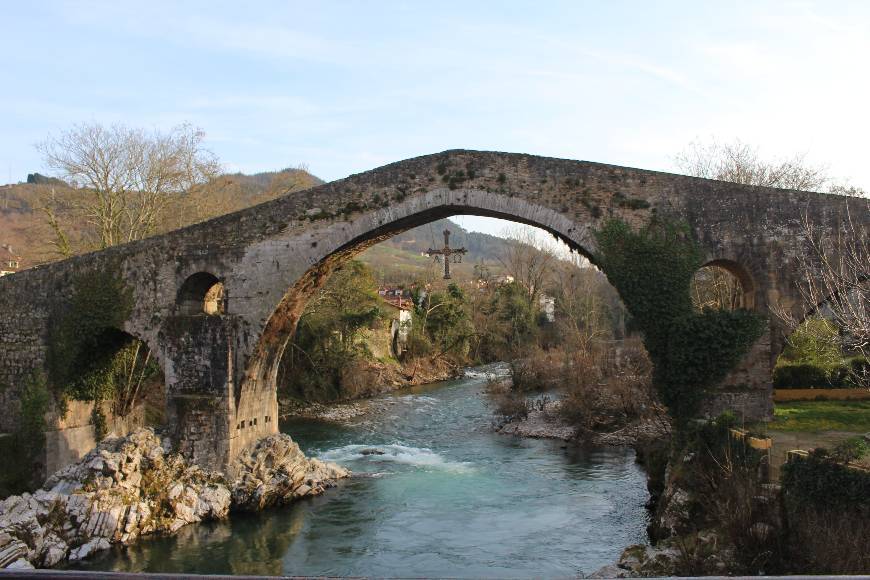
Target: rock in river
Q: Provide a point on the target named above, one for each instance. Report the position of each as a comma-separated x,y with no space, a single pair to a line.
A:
131,486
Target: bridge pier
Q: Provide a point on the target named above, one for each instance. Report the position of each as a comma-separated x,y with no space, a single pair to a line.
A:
200,397
747,391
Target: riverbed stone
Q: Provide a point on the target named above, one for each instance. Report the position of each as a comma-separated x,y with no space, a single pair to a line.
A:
609,571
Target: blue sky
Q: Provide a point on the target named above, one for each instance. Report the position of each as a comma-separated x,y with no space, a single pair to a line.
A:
348,86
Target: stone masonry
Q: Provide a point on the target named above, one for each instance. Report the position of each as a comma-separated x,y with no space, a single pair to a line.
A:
220,370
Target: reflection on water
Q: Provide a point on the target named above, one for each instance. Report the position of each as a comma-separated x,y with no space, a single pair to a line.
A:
435,492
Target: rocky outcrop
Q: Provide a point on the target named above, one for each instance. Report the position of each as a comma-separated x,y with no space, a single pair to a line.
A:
276,472
131,486
548,423
540,424
702,554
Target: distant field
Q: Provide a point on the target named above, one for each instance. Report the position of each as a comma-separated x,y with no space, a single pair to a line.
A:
822,416
788,395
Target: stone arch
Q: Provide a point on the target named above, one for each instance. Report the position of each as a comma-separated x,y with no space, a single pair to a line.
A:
862,285
738,273
201,293
341,242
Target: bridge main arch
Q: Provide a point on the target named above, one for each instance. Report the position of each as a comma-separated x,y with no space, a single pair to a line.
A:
327,248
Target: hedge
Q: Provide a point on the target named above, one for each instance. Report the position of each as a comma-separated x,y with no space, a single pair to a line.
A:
801,375
826,484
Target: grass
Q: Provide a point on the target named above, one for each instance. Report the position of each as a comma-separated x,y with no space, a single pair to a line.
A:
822,416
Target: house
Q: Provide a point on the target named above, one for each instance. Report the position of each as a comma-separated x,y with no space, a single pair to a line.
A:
10,262
399,310
548,307
392,292
494,281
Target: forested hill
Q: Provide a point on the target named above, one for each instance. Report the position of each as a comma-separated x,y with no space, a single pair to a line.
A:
400,260
481,247
24,225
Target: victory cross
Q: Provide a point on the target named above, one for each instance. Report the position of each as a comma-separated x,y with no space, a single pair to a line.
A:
447,251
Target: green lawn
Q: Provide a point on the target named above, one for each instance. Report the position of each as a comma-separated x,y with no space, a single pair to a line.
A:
822,416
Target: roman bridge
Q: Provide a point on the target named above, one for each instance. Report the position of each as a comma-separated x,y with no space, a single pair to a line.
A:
220,363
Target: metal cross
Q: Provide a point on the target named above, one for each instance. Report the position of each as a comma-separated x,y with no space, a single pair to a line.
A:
447,251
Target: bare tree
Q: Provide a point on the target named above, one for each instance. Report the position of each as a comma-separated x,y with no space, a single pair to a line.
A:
528,259
739,162
835,284
127,176
716,288
585,310
49,206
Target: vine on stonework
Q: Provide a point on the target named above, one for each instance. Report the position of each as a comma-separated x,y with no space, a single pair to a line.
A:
23,451
691,351
89,357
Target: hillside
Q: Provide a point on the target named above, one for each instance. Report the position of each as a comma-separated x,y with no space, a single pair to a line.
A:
24,226
400,260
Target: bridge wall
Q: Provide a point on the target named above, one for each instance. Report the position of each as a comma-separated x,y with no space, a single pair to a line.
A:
220,370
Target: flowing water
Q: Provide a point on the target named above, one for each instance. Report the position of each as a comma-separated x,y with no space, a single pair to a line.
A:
442,495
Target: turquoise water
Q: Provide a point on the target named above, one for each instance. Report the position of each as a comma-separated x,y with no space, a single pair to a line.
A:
447,497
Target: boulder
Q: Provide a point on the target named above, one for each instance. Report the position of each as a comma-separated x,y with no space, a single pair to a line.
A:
54,551
85,550
11,550
275,471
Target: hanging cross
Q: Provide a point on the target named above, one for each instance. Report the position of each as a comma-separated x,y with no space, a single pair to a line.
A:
447,251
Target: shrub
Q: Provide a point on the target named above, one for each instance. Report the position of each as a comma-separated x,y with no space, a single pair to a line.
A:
510,406
827,508
536,370
606,391
858,374
849,373
851,449
819,480
800,375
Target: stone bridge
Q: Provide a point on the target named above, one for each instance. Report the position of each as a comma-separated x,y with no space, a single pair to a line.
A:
220,361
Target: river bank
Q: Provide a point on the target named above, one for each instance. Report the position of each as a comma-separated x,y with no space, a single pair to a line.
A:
382,378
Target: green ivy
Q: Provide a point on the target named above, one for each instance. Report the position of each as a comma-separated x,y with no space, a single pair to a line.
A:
23,451
98,419
691,352
85,337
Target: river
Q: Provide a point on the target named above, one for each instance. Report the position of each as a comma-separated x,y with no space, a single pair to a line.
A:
447,497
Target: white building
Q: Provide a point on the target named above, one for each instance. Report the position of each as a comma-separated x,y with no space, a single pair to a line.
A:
9,261
548,307
400,322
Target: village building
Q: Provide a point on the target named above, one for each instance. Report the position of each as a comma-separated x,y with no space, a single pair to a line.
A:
494,281
10,262
547,305
399,314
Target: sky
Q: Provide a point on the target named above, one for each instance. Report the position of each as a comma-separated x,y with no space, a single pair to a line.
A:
343,87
